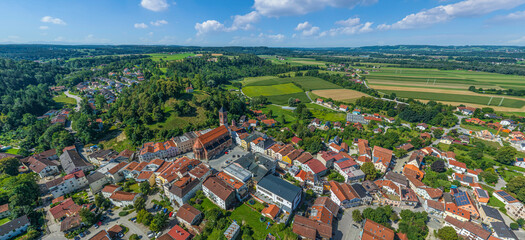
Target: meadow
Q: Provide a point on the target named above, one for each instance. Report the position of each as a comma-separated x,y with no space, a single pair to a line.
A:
343,95
279,89
169,57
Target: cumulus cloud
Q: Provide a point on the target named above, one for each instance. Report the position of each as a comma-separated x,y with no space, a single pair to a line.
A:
53,20
155,5
443,13
140,25
515,16
277,8
244,22
159,23
307,29
348,27
209,26
43,27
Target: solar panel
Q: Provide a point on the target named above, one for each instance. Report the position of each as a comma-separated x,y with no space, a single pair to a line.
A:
503,194
482,193
509,198
461,199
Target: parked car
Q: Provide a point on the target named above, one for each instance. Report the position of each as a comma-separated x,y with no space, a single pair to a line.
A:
77,238
82,235
171,214
96,226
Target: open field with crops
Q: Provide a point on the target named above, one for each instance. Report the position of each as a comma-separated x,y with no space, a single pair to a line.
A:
279,89
293,61
169,57
344,95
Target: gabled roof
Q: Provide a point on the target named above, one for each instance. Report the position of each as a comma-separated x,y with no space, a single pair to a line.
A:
492,212
435,205
110,188
117,168
123,196
272,210
316,166
373,230
188,213
218,187
279,187
310,228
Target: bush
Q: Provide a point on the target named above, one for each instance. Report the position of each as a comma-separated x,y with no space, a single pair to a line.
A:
123,213
514,226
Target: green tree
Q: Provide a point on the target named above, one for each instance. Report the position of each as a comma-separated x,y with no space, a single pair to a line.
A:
447,233
476,153
9,166
134,237
87,216
101,201
514,226
506,155
144,217
521,222
438,133
489,176
145,188
516,185
370,170
158,222
140,203
357,216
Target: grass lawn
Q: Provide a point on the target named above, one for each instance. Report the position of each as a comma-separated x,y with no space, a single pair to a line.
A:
494,202
283,99
326,114
13,151
135,188
4,221
173,121
169,57
63,99
245,215
279,89
516,168
509,174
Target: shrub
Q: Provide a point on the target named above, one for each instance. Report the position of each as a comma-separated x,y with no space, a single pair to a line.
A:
123,213
514,226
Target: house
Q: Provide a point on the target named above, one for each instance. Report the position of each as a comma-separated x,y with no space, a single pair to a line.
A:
324,210
381,157
316,122
218,192
280,192
466,110
520,162
502,231
446,140
42,166
102,156
458,167
422,126
489,214
396,178
319,101
71,162
373,230
413,171
67,184
311,229
4,211
469,230
233,231
114,231
212,143
183,189
516,210
416,158
295,140
452,210
406,146
463,178
481,195
343,108
115,174
327,158
434,207
241,189
189,216
302,159
504,197
315,167
291,156
272,211
353,118
14,227
261,145
344,195
96,181
257,164
122,199
464,202
108,190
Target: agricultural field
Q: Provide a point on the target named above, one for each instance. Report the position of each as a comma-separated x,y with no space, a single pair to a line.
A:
279,89
293,61
169,56
343,95
459,98
64,100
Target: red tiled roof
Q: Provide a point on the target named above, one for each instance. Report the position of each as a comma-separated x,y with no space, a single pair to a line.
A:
123,196
188,213
316,166
213,134
116,168
375,230
218,187
4,208
272,211
110,188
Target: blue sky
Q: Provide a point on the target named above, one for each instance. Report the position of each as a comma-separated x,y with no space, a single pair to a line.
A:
286,23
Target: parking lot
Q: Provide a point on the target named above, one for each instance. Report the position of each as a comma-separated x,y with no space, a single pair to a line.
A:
224,159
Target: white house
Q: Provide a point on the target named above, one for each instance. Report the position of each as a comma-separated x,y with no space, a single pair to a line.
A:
218,192
122,199
67,184
344,195
42,167
282,193
108,190
14,228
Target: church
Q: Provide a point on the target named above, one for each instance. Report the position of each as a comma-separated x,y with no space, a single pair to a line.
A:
215,141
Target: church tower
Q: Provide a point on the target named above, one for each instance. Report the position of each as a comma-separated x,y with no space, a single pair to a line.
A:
223,117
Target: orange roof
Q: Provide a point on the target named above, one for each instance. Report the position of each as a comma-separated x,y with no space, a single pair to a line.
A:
156,161
231,181
342,191
131,166
123,196
321,214
116,168
301,175
110,188
272,211
411,170
4,208
457,164
453,208
145,175
140,166
373,230
213,134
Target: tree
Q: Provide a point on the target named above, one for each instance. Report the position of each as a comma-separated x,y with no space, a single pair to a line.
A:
506,155
87,216
489,176
158,222
370,170
521,222
9,166
140,203
144,217
516,185
357,216
145,188
134,237
514,226
447,233
438,166
438,133
101,201
476,153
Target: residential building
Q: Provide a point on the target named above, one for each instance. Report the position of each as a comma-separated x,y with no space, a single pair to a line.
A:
434,207
115,174
373,230
182,190
464,202
280,192
96,181
71,161
122,199
381,157
324,210
102,156
212,143
353,118
42,166
502,231
481,195
14,228
504,197
469,230
344,195
109,189
241,189
311,229
218,192
67,184
4,210
185,142
189,216
489,214
272,211
101,235
516,210
315,167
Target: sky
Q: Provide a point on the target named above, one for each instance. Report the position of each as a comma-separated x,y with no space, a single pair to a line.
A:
274,23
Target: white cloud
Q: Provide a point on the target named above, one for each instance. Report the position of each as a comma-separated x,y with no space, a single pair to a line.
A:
140,25
443,13
155,5
209,26
349,26
59,39
276,8
515,16
43,27
159,23
245,21
303,26
517,41
49,19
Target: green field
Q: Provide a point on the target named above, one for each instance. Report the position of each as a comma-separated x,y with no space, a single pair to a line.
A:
63,99
4,221
307,83
481,100
279,89
293,61
169,57
244,214
283,99
326,114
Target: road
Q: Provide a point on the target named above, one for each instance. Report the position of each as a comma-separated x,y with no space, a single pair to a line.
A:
77,98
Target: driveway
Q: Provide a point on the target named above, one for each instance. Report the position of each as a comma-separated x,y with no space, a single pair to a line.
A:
77,108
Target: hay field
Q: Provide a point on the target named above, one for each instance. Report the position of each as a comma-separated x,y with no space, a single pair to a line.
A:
344,95
279,89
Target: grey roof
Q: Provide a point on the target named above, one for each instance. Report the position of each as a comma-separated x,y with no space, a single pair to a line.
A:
502,231
492,212
356,118
71,160
103,154
279,187
13,225
397,178
238,172
360,190
258,164
94,176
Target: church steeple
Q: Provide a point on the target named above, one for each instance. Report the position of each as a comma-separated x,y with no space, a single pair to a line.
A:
223,117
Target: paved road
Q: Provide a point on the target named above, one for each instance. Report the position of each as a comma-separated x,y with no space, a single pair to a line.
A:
77,108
